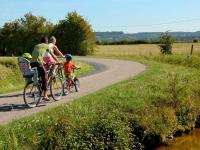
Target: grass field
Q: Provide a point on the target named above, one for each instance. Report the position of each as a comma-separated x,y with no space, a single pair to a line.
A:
145,49
181,53
139,113
10,72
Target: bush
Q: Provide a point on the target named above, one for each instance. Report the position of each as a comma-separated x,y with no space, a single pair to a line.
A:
195,40
75,35
166,42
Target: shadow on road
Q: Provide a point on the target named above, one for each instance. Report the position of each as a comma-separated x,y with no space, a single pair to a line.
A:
10,95
16,107
12,107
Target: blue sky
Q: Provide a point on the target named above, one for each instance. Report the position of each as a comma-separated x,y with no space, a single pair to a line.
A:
113,15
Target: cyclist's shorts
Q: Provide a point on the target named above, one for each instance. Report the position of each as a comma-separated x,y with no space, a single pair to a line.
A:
49,60
69,75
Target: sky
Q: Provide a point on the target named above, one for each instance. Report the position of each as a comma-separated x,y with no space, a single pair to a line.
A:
130,16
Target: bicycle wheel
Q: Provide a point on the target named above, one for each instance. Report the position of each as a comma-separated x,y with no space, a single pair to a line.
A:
32,95
77,84
56,88
65,88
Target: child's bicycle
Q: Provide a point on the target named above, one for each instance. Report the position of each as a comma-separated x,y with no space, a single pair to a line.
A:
71,83
32,90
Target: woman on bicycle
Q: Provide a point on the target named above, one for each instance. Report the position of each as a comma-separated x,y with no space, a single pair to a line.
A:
50,58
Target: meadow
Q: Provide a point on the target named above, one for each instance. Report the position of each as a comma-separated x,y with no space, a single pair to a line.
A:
139,113
10,72
145,49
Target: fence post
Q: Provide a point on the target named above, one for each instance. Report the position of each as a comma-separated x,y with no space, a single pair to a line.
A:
192,48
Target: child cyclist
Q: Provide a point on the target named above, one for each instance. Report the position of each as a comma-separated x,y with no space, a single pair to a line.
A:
68,67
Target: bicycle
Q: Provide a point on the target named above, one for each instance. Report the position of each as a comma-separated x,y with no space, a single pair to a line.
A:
32,90
56,82
70,83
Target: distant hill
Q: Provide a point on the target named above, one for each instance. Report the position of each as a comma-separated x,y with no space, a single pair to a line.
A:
119,36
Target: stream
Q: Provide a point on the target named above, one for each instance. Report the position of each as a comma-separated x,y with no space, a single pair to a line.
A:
187,142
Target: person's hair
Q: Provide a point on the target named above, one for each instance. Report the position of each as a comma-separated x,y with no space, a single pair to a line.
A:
44,39
52,39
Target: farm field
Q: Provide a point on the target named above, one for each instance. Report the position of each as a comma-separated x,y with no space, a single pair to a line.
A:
145,49
138,113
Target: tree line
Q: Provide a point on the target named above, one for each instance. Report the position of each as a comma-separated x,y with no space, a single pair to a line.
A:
127,42
74,34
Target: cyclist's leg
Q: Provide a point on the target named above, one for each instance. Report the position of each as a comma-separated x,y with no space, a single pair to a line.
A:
43,74
53,62
54,68
67,76
44,77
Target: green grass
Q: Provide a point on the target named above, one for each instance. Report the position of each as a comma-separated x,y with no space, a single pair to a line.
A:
142,111
85,68
11,78
138,113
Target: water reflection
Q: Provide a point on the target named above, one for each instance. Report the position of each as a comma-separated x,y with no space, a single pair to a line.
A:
187,142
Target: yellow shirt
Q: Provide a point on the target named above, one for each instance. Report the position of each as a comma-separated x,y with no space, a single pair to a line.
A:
38,52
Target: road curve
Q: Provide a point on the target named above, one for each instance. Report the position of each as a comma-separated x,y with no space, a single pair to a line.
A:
106,72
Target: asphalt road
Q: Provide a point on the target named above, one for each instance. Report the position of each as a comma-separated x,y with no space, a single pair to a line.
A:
106,72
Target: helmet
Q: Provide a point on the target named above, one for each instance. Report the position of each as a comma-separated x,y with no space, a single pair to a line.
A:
27,56
68,56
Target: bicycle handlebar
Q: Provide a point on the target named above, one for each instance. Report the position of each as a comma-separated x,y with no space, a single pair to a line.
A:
76,68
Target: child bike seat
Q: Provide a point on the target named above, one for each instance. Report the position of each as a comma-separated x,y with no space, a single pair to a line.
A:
30,74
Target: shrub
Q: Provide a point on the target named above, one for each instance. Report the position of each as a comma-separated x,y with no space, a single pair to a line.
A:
166,42
195,40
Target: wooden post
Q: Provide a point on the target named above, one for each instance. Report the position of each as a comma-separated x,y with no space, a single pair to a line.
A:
192,48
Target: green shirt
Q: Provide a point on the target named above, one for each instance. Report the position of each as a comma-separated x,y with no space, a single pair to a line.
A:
38,52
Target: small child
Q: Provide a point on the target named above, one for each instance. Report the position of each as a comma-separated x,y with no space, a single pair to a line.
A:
68,67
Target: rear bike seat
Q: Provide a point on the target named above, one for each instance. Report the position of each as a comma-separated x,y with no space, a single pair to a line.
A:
30,74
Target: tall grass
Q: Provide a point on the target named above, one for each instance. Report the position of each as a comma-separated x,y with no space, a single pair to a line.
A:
10,78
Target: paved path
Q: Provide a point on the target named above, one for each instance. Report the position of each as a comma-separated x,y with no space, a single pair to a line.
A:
106,72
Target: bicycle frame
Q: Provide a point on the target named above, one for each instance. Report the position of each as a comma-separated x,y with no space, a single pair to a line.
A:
70,82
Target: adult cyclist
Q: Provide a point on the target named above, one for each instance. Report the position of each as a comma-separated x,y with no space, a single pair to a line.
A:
37,61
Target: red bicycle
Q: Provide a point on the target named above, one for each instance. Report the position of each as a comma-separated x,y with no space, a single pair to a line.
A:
71,83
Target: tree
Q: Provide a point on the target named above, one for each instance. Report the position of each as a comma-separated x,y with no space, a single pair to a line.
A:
75,35
34,28
22,34
166,42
